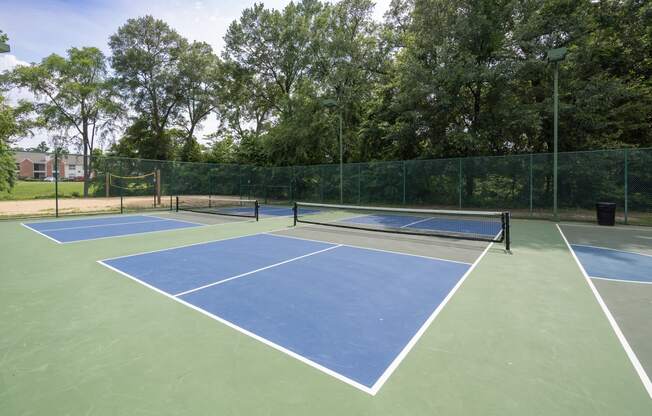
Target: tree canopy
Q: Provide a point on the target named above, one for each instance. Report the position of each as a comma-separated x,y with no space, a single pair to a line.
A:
435,78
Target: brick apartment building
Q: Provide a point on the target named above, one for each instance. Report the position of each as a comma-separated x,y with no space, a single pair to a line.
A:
37,165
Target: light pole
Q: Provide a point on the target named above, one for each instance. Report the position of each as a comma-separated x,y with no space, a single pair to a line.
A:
330,103
556,56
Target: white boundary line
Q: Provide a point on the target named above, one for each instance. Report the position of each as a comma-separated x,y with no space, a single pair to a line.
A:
265,341
617,227
401,356
612,249
121,235
364,248
79,217
647,384
131,234
388,371
219,282
620,280
38,232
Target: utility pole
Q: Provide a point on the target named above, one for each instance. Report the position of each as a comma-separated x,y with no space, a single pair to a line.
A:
556,56
330,103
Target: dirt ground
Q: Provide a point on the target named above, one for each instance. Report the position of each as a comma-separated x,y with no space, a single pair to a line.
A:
43,207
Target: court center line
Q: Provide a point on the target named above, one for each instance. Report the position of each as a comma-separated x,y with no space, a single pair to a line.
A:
416,222
640,371
228,279
109,225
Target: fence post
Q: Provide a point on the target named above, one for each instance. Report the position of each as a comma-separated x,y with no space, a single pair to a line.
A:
626,184
531,184
321,183
404,170
292,181
359,181
459,184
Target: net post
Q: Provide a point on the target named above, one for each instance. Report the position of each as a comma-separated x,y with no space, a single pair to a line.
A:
295,211
177,204
256,209
506,230
121,204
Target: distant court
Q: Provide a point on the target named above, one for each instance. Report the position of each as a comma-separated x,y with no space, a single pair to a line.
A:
70,231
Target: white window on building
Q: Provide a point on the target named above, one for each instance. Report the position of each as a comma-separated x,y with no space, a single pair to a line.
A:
72,167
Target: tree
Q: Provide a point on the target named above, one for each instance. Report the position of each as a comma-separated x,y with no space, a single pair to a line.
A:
349,64
14,122
42,147
77,98
199,73
146,60
8,128
268,58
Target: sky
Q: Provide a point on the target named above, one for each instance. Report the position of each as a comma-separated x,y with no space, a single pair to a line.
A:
38,28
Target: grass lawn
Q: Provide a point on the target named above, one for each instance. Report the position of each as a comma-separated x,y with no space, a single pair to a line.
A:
38,190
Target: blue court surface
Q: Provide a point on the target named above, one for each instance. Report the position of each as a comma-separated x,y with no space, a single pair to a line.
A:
68,231
605,263
489,228
351,312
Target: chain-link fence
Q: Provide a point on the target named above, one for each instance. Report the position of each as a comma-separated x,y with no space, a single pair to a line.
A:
523,184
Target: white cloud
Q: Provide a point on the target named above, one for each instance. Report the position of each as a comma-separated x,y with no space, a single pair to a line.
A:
9,61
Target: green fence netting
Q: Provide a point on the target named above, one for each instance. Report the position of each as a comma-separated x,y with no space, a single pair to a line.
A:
523,184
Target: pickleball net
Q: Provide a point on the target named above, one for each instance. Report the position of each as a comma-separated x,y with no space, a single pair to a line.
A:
470,225
208,204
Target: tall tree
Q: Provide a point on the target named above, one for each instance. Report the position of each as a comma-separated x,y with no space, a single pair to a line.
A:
75,96
199,73
349,64
8,129
146,55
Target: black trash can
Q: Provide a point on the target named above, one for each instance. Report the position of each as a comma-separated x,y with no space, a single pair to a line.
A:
606,213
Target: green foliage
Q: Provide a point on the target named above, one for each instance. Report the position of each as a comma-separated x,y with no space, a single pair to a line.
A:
9,127
75,97
438,78
146,60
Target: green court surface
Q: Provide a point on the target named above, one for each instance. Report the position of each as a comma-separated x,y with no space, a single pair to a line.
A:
523,335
